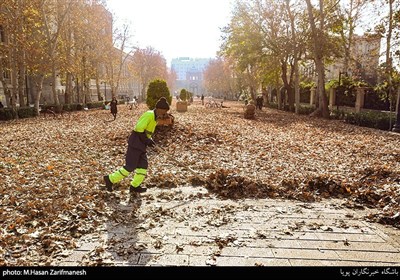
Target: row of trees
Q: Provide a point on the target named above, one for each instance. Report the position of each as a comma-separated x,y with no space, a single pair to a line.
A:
75,41
267,42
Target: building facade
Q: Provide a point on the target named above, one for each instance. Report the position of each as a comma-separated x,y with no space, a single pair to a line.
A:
189,72
364,63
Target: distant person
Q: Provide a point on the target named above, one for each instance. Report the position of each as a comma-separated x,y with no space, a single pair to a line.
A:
113,107
202,99
135,102
260,101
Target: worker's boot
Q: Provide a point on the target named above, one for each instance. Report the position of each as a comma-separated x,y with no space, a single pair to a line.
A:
139,189
108,183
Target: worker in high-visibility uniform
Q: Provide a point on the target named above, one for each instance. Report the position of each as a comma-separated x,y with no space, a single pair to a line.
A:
136,156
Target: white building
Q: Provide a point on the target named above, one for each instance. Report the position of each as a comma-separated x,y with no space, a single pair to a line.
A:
189,72
364,62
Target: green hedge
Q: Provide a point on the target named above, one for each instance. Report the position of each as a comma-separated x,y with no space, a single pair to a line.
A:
26,112
29,112
7,114
23,112
371,119
306,109
94,105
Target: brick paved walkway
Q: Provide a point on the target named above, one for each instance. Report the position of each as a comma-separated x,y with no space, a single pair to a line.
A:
188,227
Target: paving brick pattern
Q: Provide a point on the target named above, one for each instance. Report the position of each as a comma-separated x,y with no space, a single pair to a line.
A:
198,229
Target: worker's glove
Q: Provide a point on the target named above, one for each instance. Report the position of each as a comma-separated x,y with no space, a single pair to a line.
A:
150,143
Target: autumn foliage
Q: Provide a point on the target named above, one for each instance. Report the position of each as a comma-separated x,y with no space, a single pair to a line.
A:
51,169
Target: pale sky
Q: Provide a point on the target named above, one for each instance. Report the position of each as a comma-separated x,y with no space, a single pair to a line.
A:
176,28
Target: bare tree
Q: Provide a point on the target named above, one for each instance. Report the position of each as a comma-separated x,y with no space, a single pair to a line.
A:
54,14
148,64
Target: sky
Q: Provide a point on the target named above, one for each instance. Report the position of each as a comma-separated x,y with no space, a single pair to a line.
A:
175,28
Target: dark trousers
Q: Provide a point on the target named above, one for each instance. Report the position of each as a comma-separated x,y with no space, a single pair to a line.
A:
136,157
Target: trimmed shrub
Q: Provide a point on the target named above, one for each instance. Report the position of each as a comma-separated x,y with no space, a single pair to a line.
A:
94,105
79,106
69,107
26,112
7,114
73,107
157,89
306,109
338,114
370,119
183,95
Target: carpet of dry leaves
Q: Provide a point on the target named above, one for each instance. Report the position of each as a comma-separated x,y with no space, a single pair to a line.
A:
51,168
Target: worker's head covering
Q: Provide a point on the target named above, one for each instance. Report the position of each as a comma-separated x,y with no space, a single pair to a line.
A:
162,103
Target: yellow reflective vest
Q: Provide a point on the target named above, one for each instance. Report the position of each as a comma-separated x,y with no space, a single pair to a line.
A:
147,123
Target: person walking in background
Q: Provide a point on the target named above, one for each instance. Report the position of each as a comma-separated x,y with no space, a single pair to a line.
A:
136,156
113,107
260,102
202,99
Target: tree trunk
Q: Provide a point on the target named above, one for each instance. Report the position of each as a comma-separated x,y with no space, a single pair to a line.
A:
14,82
23,99
296,59
98,89
5,86
253,93
318,45
68,89
389,62
88,96
265,96
78,92
53,85
39,87
322,99
143,91
297,85
290,94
